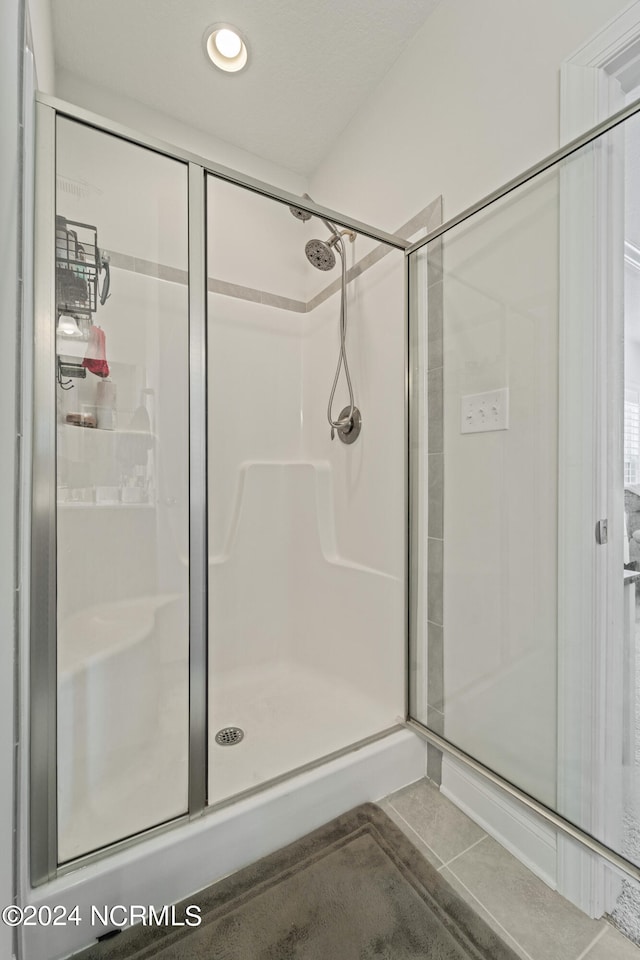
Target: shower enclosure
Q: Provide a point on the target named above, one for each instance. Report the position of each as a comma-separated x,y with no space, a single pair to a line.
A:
225,596
218,584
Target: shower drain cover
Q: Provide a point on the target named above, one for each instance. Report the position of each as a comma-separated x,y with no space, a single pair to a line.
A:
229,736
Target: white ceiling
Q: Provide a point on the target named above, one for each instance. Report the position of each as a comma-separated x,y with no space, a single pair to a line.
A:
312,63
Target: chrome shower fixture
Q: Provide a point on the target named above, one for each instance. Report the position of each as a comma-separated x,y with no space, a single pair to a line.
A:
321,255
304,215
319,252
300,214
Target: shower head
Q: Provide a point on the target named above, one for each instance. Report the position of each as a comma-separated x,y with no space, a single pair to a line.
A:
320,255
304,215
300,214
319,252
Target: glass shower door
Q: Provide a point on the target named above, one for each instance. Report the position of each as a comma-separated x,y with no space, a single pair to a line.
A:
122,477
518,632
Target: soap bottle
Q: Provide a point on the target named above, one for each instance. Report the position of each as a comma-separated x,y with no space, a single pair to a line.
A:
106,404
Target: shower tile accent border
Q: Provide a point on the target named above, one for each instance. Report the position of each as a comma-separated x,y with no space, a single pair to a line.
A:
435,692
369,260
148,268
427,485
426,219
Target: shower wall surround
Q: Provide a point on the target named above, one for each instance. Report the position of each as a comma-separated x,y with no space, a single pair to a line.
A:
310,529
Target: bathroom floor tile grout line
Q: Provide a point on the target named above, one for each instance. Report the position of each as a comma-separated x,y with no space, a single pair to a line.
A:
443,864
462,852
524,952
584,954
599,935
397,812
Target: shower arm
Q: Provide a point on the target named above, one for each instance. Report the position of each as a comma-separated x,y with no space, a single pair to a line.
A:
333,241
330,227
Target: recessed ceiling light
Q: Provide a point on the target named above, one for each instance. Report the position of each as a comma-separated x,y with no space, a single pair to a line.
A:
228,43
225,47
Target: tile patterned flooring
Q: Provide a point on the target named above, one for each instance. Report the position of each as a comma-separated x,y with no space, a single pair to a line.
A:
534,920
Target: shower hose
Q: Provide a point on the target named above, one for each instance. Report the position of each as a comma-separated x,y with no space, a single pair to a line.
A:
342,357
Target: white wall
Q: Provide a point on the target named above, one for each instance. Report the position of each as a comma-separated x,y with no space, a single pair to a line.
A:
39,12
367,479
474,101
10,112
254,396
254,348
256,242
369,475
144,119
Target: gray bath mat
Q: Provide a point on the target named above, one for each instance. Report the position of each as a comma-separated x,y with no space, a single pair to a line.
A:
356,889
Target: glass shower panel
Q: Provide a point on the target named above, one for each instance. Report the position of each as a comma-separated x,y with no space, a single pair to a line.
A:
122,488
516,343
489,351
306,534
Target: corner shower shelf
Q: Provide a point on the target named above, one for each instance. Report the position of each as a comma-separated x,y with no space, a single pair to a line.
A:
119,431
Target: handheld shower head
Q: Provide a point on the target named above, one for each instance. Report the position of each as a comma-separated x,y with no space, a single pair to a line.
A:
320,255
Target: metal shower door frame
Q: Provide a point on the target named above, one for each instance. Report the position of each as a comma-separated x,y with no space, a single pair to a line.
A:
43,798
43,826
41,631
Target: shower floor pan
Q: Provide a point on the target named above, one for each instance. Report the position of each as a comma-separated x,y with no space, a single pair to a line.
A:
290,715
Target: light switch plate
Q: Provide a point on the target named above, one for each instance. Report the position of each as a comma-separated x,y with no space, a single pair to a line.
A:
481,412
